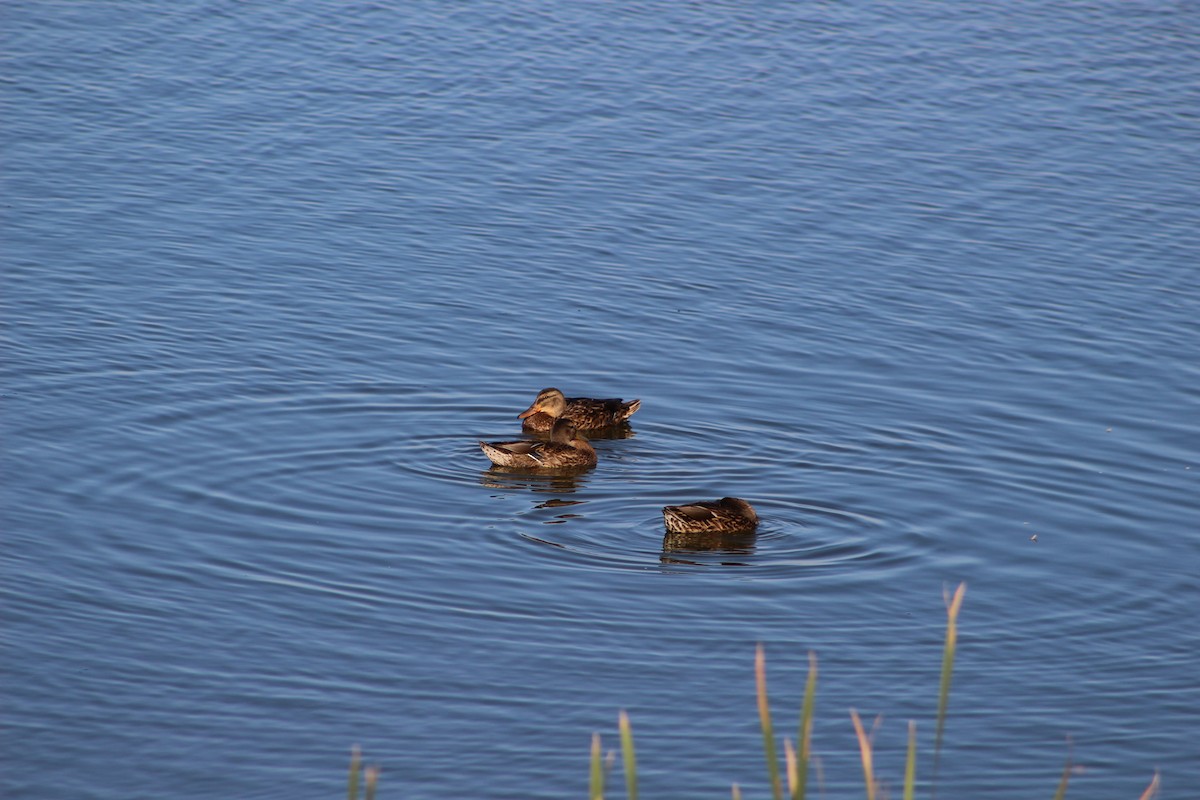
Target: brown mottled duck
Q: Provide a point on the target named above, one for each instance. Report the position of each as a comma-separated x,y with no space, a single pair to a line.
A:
727,515
566,448
585,412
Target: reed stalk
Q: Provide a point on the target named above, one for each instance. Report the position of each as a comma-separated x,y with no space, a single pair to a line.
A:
1152,789
953,605
628,757
764,717
804,738
355,770
789,762
910,762
596,782
1064,780
371,776
864,747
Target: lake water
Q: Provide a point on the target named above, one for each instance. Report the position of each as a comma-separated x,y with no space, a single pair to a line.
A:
919,280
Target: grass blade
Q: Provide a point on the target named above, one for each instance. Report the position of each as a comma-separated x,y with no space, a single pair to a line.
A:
789,760
355,769
372,781
628,757
596,784
804,739
764,717
1152,789
868,760
1064,780
910,762
953,605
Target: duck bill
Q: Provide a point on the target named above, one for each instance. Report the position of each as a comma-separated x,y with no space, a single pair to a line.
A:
529,412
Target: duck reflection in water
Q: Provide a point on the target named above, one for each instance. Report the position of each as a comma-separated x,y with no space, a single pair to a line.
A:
559,519
700,548
564,481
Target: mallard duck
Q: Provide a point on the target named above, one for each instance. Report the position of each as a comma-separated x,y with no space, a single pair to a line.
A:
566,448
727,515
586,413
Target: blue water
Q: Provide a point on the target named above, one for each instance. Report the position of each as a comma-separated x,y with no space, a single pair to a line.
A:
919,280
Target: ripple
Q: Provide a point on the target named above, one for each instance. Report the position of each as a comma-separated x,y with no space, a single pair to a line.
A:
300,461
446,457
307,458
610,517
614,533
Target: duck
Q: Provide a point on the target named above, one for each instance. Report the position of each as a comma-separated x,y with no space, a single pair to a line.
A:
566,448
727,515
587,413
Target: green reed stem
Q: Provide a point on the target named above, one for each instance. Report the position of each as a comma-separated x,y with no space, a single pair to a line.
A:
804,738
1152,789
910,763
789,764
953,605
628,757
596,783
372,781
355,770
868,759
764,717
1064,780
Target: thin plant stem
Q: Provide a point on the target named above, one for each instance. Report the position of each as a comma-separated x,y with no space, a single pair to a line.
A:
953,605
355,769
1152,789
789,762
764,716
910,762
596,783
1064,780
864,746
804,739
628,757
372,780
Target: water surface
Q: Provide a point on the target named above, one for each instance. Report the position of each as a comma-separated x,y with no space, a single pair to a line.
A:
919,282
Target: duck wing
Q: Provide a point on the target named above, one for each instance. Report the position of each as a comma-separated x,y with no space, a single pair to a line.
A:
610,405
695,511
524,447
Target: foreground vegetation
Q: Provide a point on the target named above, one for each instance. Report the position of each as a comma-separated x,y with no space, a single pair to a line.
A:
796,757
369,776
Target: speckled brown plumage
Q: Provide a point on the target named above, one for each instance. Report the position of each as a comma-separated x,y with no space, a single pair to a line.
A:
727,515
566,448
587,413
